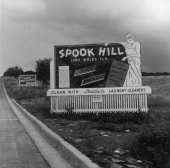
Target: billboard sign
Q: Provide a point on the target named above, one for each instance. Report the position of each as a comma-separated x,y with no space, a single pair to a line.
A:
98,65
27,80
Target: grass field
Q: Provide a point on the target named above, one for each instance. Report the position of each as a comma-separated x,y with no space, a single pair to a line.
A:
140,136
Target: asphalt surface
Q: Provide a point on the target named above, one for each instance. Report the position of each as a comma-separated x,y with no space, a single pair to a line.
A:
21,145
17,149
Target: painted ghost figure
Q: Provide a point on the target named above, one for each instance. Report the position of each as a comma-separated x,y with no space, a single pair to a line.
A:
132,48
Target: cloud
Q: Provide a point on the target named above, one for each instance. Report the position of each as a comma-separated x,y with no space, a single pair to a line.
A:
157,12
96,17
32,27
99,20
23,8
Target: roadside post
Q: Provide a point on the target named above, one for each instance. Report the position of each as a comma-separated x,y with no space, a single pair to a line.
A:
28,80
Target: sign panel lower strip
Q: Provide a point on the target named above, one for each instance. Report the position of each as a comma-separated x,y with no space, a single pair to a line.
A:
99,91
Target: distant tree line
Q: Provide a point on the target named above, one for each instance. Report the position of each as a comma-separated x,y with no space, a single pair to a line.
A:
42,70
155,73
16,71
29,73
13,71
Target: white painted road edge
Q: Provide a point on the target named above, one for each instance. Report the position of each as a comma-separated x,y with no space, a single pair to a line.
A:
71,154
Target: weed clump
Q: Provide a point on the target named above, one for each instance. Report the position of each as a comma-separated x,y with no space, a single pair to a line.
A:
119,118
153,144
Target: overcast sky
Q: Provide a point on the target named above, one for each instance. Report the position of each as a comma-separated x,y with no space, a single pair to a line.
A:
31,28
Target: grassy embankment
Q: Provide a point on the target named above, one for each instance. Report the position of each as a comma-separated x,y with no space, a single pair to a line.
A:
149,137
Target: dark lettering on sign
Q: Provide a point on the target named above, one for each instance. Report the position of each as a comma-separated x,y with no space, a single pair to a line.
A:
58,92
94,91
73,91
136,90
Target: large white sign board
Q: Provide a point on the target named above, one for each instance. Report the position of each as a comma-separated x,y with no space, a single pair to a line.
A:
27,80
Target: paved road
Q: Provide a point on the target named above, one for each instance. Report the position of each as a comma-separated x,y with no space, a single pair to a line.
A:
17,149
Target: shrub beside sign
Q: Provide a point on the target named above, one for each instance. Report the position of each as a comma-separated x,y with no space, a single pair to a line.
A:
27,80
